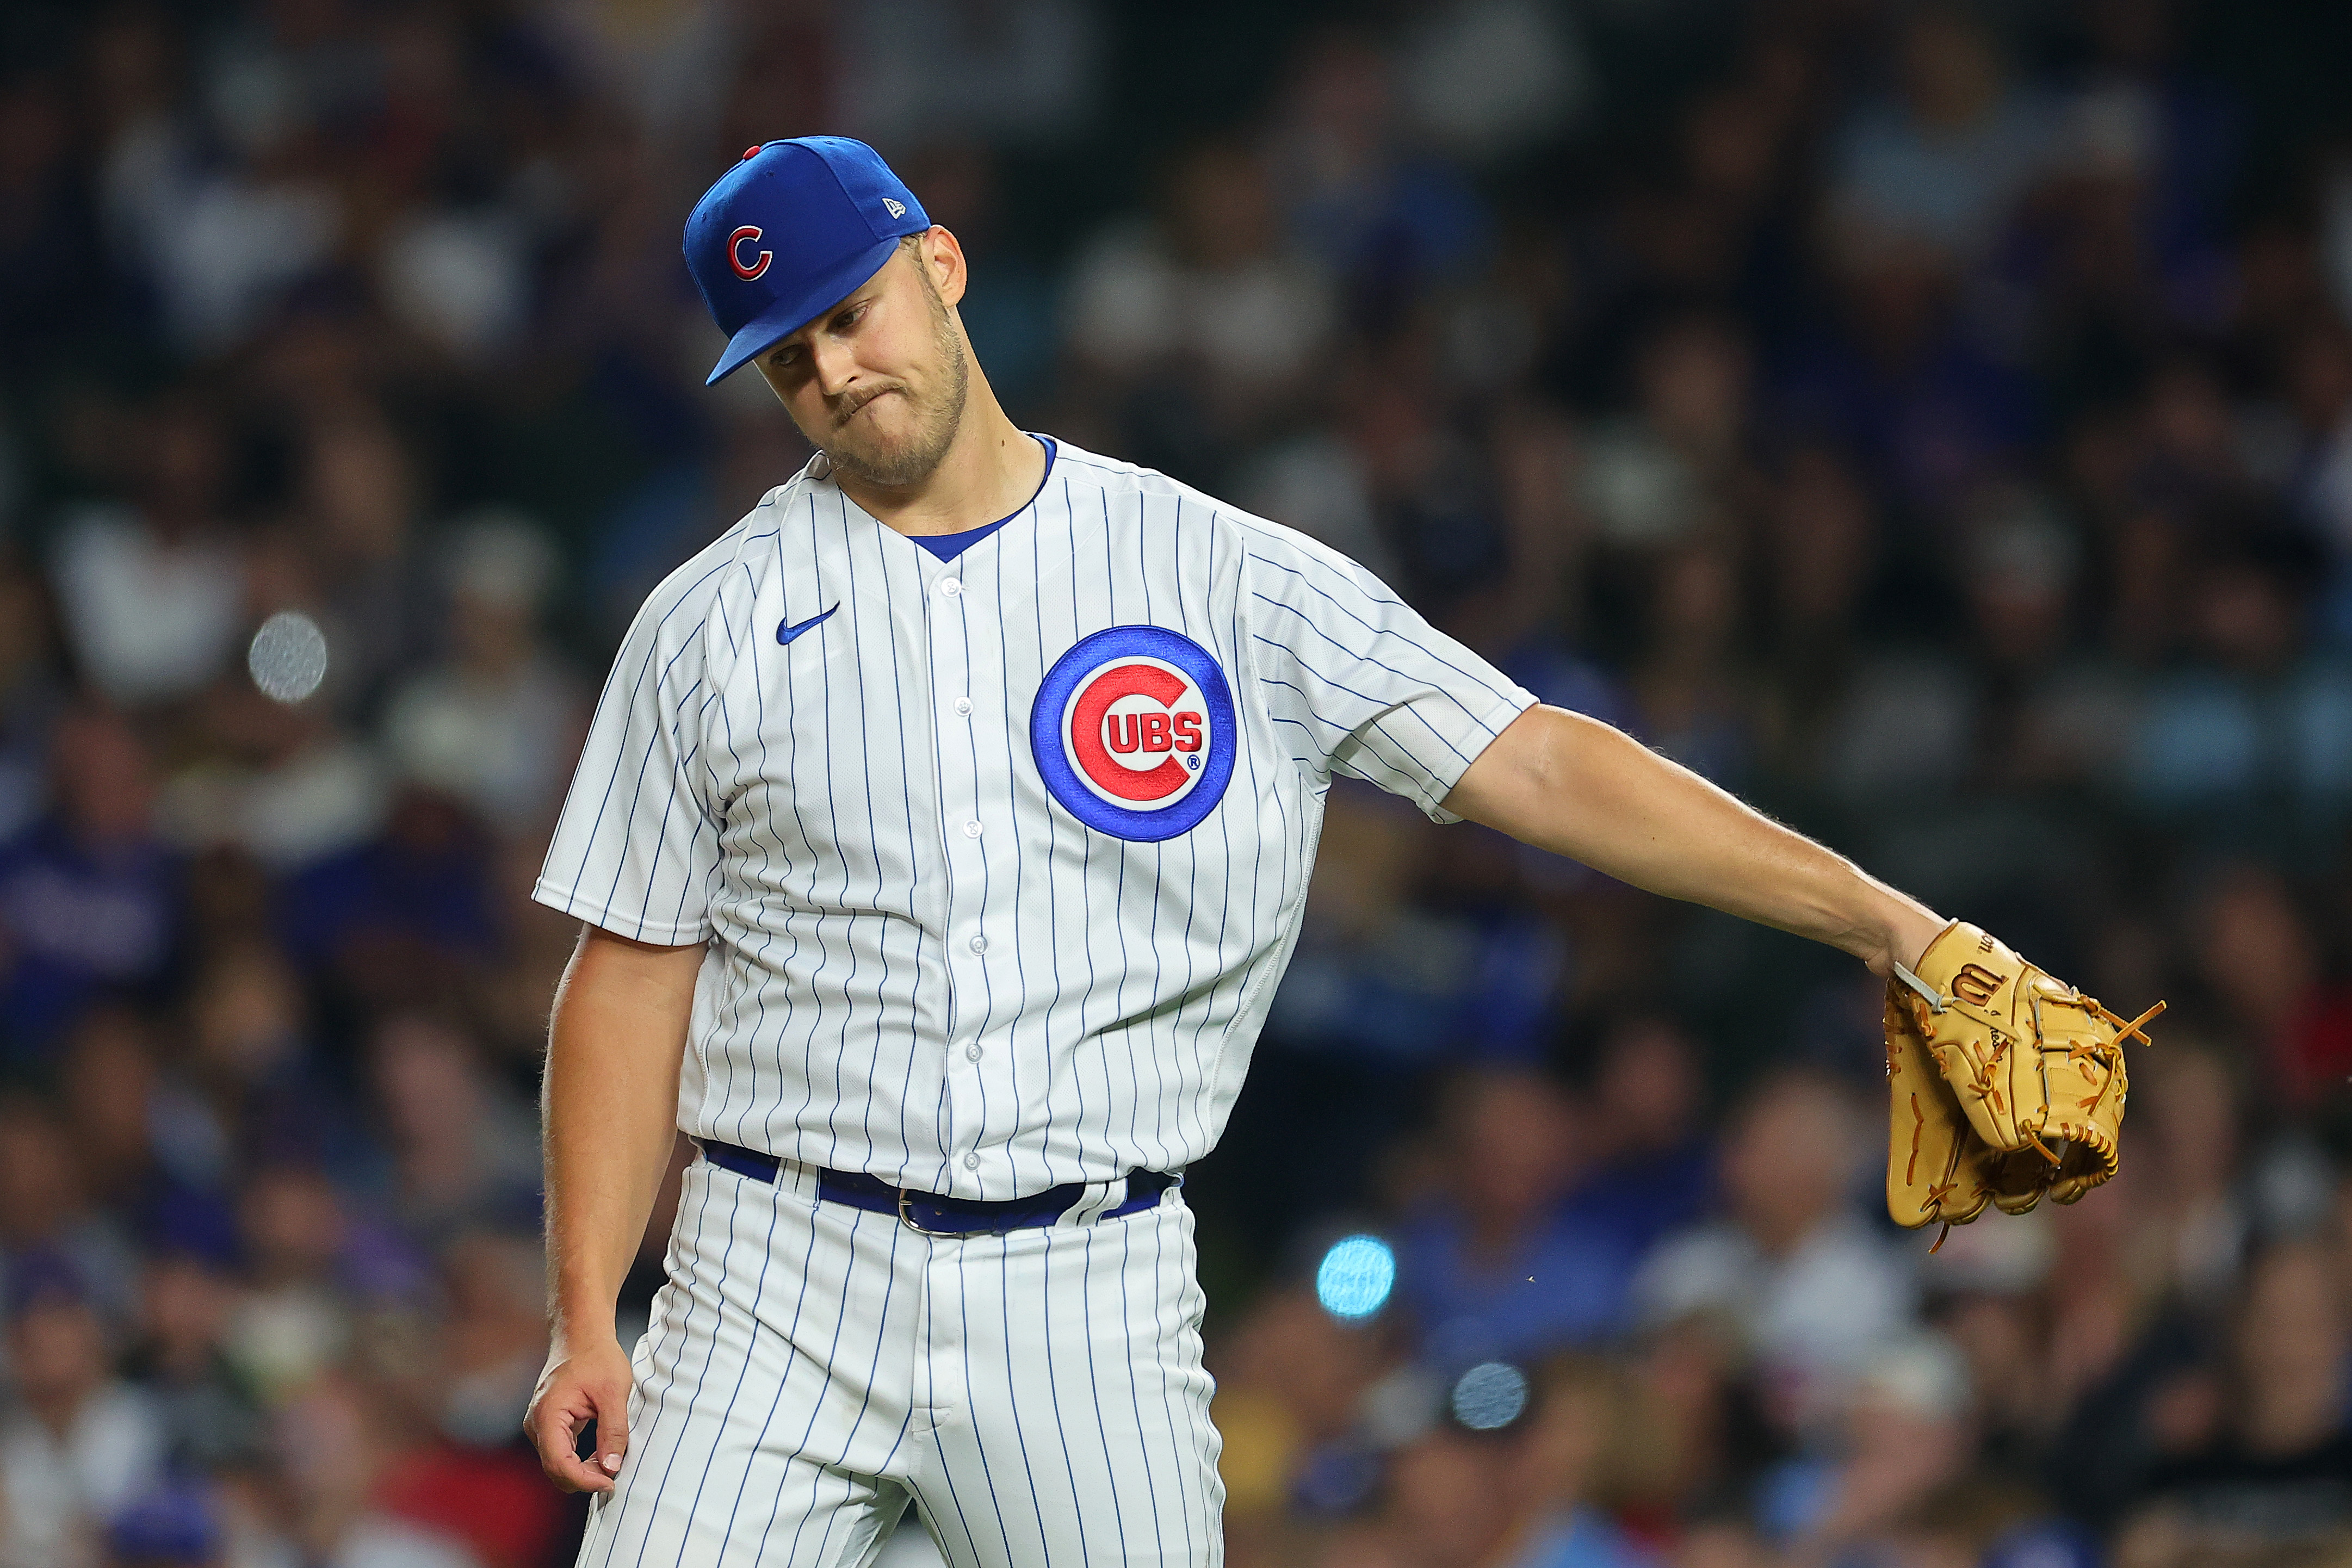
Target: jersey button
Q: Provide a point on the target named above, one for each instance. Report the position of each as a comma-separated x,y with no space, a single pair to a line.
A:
978,944
972,1051
964,704
972,1161
971,830
950,586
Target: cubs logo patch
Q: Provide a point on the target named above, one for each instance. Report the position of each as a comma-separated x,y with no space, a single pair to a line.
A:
1133,732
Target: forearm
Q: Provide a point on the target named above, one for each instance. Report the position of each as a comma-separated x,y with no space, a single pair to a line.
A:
1574,786
609,1107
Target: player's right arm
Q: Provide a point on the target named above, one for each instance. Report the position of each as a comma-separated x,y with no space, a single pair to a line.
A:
609,1104
634,857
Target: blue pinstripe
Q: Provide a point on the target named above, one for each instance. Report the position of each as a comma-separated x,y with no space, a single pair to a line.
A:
1118,992
605,799
1134,1398
792,1338
767,939
906,789
842,846
1095,1387
1165,1157
727,1416
939,1446
641,1437
971,1404
1490,688
695,1396
873,836
1054,1381
971,749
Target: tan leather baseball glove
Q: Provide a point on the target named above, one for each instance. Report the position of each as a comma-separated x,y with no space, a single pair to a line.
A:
2004,1084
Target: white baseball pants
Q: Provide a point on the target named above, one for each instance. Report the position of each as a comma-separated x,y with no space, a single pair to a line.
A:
811,1366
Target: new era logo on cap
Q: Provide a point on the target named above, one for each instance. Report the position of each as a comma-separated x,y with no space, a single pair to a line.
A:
790,232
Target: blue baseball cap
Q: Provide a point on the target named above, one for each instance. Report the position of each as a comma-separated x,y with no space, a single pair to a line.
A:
791,231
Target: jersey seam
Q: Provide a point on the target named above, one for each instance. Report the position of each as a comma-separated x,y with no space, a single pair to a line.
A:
1245,645
1277,961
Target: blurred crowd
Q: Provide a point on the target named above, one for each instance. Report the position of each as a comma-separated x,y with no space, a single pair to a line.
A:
1932,421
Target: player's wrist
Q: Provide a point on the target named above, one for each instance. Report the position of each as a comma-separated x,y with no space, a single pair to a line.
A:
583,1321
585,1345
1907,932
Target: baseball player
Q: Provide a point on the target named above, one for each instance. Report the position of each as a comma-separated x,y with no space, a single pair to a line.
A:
941,837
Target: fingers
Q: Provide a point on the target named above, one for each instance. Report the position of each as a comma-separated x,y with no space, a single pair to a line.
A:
613,1435
555,1434
562,1411
570,1474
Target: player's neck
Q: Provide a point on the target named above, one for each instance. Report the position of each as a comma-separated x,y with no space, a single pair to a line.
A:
992,470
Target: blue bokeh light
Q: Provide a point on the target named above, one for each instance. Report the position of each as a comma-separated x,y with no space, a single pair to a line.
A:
1491,1395
1356,1277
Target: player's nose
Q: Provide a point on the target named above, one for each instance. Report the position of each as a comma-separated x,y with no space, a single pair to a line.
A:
833,366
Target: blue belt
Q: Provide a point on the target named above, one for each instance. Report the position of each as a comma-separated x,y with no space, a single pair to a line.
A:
936,1216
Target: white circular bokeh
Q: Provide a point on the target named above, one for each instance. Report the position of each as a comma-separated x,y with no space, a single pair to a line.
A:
289,656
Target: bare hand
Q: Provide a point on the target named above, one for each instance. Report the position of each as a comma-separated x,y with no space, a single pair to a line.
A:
582,1384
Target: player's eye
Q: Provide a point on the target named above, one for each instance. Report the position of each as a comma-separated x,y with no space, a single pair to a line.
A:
848,318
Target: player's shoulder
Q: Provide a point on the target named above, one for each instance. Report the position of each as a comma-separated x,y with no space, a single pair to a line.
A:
1251,535
1084,470
710,587
729,567
683,601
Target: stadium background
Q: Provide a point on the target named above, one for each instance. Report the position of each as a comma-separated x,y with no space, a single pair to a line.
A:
1932,422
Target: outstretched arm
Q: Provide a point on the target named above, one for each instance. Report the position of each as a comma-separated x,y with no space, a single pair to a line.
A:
1575,786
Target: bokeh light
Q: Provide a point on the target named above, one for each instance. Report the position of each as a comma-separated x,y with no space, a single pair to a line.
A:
287,658
1491,1395
1356,1277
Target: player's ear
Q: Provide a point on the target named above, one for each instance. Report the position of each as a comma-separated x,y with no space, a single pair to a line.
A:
940,254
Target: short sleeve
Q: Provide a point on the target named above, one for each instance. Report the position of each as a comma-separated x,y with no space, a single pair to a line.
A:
637,844
1358,681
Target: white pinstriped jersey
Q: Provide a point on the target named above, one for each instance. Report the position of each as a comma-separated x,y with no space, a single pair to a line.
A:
999,857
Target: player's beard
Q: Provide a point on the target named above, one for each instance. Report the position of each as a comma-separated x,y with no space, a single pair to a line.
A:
857,451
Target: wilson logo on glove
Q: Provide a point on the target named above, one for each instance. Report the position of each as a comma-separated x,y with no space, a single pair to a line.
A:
1976,986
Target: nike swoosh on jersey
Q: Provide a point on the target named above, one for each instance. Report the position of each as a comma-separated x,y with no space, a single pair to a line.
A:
786,631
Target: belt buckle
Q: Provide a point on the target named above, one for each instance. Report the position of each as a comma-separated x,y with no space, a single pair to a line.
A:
906,1216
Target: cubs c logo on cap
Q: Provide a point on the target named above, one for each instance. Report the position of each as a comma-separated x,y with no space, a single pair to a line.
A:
1133,732
747,270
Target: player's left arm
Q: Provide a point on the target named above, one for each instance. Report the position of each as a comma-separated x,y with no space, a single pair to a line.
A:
1578,788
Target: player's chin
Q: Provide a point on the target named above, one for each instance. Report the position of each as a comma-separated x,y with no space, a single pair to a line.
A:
894,455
